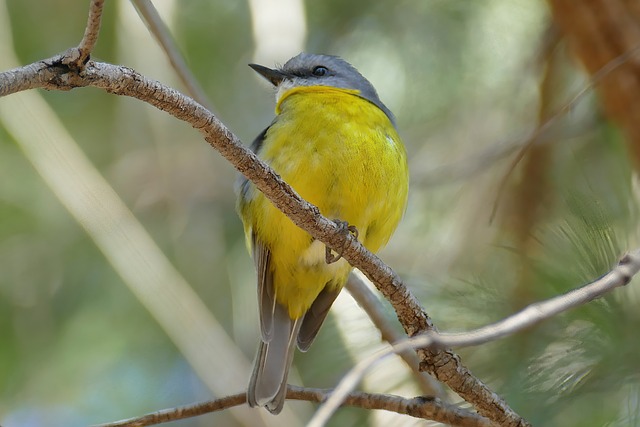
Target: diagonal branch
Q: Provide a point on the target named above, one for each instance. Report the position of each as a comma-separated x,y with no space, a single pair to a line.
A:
54,74
533,314
419,407
534,137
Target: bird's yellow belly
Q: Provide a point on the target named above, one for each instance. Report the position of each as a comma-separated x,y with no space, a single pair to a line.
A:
342,154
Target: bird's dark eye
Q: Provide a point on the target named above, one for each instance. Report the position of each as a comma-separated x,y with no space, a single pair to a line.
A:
320,71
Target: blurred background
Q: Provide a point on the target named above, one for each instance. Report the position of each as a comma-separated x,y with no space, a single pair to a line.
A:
91,331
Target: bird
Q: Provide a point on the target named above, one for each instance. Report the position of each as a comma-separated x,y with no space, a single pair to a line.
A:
337,145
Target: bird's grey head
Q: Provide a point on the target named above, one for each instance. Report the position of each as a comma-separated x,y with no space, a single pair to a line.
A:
308,69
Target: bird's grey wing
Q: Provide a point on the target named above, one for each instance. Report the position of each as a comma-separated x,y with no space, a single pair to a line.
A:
261,253
315,316
266,292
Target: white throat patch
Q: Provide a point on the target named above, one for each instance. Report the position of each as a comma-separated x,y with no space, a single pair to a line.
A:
284,87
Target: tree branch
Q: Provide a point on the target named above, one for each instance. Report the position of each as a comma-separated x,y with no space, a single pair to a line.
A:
369,302
181,412
427,408
76,57
533,314
620,275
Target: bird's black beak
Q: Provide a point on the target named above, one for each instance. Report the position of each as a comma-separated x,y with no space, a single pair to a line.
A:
274,76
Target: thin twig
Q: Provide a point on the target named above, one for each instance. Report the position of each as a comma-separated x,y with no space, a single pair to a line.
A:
154,23
368,301
428,408
619,276
78,56
595,79
478,162
181,412
349,382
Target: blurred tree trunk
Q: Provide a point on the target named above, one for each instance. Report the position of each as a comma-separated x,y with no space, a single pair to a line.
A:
600,31
531,197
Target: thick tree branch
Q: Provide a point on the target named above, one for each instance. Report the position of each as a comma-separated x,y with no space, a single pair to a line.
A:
446,366
54,74
427,408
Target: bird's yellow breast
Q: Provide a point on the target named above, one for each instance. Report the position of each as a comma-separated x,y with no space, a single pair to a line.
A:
341,153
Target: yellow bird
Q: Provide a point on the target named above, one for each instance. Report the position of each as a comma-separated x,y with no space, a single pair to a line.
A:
336,144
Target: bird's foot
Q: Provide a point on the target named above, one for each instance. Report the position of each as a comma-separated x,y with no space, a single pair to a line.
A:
345,228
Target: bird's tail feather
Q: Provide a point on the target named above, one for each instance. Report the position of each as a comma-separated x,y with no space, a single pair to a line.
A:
268,383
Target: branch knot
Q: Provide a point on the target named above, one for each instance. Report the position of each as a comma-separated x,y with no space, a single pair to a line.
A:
75,59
